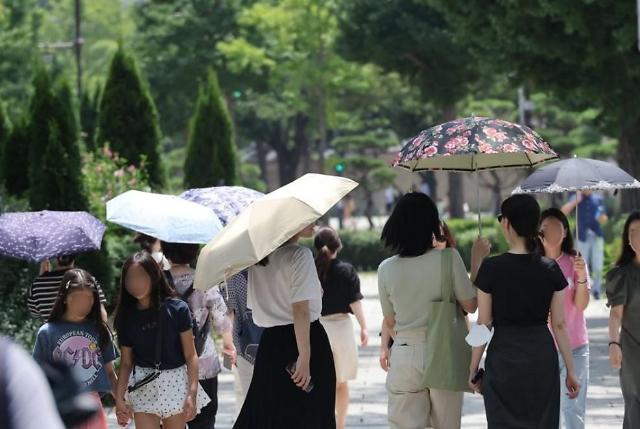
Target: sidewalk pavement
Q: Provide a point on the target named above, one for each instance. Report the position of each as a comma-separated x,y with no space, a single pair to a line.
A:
368,409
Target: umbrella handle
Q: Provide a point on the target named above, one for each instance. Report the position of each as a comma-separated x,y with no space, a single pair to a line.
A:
478,203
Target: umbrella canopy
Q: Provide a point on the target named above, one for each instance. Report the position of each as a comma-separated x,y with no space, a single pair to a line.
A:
577,174
473,144
37,236
268,223
226,201
166,217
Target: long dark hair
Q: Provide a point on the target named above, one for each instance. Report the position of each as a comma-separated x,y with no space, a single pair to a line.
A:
567,245
73,279
414,222
523,213
160,288
447,235
327,242
627,254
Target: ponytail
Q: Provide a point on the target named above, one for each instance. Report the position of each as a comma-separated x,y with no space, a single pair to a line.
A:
323,261
327,242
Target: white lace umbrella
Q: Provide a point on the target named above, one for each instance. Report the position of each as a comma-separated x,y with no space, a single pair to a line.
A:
575,175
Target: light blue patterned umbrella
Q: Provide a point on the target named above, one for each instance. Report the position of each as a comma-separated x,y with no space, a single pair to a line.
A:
37,236
166,217
226,201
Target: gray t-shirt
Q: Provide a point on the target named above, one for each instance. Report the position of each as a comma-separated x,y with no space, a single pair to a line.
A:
408,285
77,345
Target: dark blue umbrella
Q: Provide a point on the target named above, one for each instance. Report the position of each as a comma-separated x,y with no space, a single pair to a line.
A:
37,236
226,201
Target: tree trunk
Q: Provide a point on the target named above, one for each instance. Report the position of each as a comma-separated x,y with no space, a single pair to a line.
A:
301,142
322,131
288,157
629,160
261,153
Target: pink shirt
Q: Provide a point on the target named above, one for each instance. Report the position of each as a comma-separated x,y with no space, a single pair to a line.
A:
574,317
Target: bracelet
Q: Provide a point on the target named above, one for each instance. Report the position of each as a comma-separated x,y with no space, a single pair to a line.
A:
614,342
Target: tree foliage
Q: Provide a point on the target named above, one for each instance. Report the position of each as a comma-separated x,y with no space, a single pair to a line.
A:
211,158
128,120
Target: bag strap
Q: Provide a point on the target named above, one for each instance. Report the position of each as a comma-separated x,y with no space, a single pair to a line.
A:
446,276
187,293
158,353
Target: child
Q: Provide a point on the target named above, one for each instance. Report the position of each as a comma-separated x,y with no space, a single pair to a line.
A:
146,305
77,335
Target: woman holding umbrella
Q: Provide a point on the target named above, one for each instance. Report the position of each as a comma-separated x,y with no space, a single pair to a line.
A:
294,377
557,244
516,292
623,292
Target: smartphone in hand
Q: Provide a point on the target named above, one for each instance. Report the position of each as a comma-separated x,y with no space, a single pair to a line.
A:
291,369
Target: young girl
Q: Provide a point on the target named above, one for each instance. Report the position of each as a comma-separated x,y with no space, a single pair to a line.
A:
341,296
147,304
623,292
557,244
77,335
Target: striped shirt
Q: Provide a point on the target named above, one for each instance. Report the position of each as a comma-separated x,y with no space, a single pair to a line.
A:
44,291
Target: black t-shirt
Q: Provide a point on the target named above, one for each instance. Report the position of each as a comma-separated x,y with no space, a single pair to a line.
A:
340,289
521,287
140,331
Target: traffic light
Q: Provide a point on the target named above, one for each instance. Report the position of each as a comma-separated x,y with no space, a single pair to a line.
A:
340,167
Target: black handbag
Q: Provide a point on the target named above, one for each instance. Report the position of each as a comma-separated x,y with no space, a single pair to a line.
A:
158,353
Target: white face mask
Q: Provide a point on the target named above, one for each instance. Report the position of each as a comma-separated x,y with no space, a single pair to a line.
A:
161,260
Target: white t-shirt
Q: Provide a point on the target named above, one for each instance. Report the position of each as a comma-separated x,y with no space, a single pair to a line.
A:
289,277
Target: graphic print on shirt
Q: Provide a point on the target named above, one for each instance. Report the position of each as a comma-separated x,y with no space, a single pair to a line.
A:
80,351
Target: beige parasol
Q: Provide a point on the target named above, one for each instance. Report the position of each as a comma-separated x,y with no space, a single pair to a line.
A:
266,224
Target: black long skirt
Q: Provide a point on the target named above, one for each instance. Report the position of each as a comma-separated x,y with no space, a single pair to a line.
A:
521,386
273,401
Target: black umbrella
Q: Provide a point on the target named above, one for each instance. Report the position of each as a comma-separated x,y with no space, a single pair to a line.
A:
577,174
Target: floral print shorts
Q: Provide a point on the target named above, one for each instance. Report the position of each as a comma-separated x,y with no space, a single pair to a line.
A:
165,395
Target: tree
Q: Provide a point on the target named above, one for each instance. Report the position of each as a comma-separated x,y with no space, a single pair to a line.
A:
5,132
362,163
584,52
89,107
413,38
176,41
53,183
15,165
128,120
211,157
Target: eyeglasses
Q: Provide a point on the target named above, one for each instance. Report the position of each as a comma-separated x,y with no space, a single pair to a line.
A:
499,218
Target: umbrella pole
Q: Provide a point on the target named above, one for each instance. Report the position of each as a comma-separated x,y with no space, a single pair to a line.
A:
577,234
478,204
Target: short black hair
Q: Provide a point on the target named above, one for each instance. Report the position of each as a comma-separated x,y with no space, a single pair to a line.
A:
66,260
180,253
414,222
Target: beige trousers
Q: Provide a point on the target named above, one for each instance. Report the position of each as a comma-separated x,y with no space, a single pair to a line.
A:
411,406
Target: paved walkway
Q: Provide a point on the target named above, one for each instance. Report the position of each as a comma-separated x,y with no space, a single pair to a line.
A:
368,407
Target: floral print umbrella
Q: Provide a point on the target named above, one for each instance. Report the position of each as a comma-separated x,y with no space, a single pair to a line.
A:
474,144
226,201
37,236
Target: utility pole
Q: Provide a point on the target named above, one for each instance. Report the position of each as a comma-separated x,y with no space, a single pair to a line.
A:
76,45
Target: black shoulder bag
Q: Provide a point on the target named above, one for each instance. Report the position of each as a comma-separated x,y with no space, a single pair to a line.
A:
157,359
